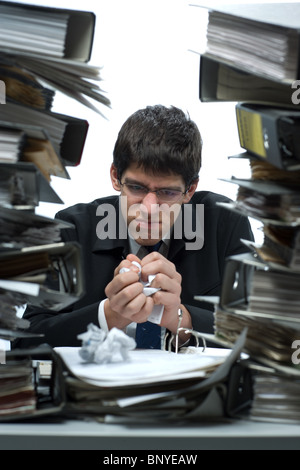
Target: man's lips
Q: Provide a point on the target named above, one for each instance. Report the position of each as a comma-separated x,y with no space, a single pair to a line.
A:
147,222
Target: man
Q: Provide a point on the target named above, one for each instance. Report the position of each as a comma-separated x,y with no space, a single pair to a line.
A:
156,163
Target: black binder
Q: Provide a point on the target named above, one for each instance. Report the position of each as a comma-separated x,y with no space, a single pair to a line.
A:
80,27
220,81
47,396
260,38
271,133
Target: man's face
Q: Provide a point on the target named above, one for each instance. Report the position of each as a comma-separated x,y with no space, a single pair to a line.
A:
150,215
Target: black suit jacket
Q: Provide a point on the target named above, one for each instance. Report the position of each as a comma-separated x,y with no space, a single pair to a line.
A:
201,269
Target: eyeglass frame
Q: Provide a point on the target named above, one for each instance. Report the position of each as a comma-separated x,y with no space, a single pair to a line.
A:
156,190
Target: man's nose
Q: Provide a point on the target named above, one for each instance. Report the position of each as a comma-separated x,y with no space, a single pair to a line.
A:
150,201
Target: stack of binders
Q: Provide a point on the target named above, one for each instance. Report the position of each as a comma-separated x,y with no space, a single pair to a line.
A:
252,57
38,46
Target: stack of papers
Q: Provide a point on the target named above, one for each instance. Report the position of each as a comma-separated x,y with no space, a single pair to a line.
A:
282,244
272,349
145,367
17,392
10,322
32,30
276,293
11,141
269,201
276,398
150,385
258,38
26,271
23,228
54,45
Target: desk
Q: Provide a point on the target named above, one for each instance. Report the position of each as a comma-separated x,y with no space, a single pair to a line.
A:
81,435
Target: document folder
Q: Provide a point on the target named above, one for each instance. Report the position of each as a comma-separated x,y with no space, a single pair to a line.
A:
23,186
262,38
49,276
220,81
271,133
269,201
24,392
253,288
25,228
78,28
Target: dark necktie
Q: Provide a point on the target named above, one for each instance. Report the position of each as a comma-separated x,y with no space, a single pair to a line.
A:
148,335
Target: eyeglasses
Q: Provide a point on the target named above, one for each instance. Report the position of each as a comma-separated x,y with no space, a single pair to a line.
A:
162,194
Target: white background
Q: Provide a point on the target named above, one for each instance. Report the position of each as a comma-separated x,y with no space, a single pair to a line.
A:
144,49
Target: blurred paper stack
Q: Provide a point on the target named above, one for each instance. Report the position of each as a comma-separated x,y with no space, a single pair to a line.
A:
41,50
252,57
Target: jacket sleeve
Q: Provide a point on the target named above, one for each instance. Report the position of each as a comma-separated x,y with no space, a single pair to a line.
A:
58,328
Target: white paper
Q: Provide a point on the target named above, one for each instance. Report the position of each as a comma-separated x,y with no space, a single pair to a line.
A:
144,366
29,288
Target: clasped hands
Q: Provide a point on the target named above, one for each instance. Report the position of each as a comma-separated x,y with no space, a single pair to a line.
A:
127,302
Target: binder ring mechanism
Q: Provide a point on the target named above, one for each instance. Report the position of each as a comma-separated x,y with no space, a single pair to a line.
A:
196,334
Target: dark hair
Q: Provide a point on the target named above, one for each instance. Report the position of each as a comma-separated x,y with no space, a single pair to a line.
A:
161,141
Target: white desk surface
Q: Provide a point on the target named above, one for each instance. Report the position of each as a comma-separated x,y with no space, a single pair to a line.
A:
81,435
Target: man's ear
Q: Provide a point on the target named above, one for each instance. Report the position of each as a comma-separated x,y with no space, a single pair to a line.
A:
190,192
114,178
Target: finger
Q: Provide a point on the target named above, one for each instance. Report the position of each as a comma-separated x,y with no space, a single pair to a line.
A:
123,264
159,265
120,299
156,259
166,283
168,299
139,309
126,264
121,281
151,257
142,315
131,257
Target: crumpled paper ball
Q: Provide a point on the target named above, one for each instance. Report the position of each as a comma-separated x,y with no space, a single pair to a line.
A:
101,347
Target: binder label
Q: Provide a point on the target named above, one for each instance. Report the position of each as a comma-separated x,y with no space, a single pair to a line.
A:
251,132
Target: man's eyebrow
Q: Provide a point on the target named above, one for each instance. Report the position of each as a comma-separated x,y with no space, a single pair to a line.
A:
133,181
